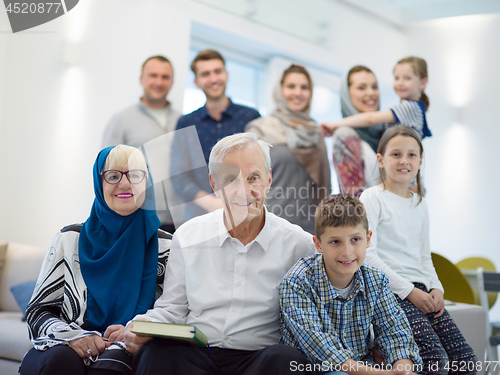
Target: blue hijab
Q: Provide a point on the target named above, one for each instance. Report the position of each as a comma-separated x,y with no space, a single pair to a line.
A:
118,257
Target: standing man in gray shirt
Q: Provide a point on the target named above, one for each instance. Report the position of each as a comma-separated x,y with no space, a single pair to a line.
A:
146,125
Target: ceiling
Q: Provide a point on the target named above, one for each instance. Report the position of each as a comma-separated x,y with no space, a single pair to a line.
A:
401,12
431,9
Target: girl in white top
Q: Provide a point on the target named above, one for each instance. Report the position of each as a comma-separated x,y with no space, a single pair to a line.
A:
400,247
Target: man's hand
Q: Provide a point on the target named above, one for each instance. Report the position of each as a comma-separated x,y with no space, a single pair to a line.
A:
132,341
88,346
423,301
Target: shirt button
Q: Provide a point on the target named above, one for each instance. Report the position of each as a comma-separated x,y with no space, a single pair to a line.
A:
235,310
219,125
226,338
238,283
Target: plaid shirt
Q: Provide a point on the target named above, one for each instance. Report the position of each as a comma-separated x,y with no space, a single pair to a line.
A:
328,327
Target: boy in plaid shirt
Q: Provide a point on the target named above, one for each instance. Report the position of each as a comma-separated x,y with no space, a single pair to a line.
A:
331,302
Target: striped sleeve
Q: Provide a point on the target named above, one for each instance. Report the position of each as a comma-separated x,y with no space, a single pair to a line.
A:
55,313
411,113
164,241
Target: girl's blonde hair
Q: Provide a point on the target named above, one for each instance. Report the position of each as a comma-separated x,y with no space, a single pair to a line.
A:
404,131
419,67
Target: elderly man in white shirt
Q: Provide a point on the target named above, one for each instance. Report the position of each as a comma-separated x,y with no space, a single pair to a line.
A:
223,275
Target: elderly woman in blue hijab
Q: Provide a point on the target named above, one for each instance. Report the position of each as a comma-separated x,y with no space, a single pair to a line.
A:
100,274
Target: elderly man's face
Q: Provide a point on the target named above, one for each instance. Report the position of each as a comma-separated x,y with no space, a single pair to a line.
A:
242,182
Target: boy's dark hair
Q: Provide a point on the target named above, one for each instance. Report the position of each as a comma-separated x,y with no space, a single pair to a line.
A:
340,210
205,55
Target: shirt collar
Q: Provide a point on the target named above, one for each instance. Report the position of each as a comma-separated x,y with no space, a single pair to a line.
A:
143,106
324,282
223,232
263,239
229,111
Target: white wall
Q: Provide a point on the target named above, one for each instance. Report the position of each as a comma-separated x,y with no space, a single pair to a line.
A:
462,174
52,114
462,168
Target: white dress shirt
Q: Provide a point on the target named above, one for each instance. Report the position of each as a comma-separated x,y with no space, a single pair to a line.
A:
226,289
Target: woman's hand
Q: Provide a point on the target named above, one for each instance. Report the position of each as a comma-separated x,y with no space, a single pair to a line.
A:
114,332
423,301
88,346
437,295
132,341
327,128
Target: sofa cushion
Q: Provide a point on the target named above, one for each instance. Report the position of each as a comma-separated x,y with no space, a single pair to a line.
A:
22,263
14,340
22,294
9,367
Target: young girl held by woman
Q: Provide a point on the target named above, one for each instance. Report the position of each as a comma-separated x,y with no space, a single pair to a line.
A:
400,247
410,80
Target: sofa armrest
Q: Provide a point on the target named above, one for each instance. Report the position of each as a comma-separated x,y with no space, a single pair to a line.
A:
471,320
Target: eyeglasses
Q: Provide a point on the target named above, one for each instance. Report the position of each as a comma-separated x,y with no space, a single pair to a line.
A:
113,177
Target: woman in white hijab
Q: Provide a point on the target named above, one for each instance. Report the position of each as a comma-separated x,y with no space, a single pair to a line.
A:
300,168
355,149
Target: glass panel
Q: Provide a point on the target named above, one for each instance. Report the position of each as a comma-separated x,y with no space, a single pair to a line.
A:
307,20
326,107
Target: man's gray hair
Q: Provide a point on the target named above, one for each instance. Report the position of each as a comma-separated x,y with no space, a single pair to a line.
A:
237,141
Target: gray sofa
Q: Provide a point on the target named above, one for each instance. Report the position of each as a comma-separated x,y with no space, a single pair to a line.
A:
22,263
